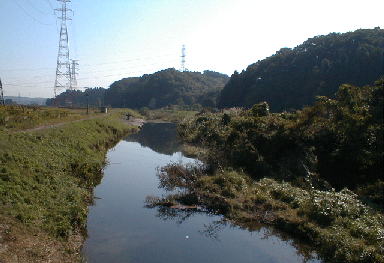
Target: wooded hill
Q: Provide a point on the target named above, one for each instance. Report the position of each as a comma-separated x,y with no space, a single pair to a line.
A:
292,78
167,87
157,90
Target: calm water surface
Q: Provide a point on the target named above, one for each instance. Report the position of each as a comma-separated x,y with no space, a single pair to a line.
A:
121,229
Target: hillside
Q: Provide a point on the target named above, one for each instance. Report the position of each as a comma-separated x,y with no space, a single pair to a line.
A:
167,87
160,89
292,78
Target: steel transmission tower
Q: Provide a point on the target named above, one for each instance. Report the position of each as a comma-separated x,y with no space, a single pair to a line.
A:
74,68
63,69
2,102
183,55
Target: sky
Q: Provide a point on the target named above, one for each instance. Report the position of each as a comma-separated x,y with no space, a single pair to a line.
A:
115,39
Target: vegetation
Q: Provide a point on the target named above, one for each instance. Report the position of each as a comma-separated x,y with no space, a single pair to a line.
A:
337,140
292,78
158,90
46,182
77,98
19,117
337,224
170,114
283,168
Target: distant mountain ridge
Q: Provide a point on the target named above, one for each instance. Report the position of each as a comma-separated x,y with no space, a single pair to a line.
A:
292,78
26,100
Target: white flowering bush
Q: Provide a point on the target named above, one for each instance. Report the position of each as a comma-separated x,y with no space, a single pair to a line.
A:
326,206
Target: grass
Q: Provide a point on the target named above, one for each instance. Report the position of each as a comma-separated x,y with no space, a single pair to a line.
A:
169,115
47,176
336,223
20,117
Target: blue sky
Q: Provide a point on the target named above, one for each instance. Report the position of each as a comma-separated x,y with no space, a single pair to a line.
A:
121,38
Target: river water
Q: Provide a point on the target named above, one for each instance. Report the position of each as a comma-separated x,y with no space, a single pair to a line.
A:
122,229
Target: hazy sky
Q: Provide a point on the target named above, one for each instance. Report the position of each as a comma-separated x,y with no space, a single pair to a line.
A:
122,38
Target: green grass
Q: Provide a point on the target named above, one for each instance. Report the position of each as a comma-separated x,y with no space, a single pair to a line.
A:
169,115
47,176
19,117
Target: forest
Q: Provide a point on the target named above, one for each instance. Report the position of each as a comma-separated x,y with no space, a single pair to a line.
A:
292,78
164,88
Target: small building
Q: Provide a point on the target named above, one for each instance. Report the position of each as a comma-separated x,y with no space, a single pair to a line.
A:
104,110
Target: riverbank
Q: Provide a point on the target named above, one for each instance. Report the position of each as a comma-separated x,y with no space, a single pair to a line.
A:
336,224
46,182
315,173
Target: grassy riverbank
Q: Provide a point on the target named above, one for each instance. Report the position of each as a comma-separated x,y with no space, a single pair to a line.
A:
46,182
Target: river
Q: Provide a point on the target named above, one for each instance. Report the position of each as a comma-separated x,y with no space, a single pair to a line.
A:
122,229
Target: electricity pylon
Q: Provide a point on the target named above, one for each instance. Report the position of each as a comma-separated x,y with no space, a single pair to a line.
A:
74,68
63,69
183,55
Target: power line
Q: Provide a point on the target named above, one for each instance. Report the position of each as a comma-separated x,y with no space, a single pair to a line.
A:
50,5
88,65
101,71
32,17
35,8
25,85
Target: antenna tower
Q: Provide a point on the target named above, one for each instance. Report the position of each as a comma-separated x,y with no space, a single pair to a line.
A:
2,102
183,55
74,68
63,69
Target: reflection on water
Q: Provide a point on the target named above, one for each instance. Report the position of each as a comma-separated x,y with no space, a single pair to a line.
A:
162,140
121,229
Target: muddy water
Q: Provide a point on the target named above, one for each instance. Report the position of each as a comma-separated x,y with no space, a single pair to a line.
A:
121,229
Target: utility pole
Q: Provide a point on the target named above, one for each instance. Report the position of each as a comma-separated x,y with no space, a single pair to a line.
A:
2,101
183,55
74,68
63,69
87,95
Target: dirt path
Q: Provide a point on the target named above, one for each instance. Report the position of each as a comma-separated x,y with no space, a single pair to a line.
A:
131,121
48,126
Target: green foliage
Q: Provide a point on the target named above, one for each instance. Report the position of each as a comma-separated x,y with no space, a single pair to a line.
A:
46,177
292,78
337,140
347,134
154,91
95,97
18,117
170,114
167,87
337,224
